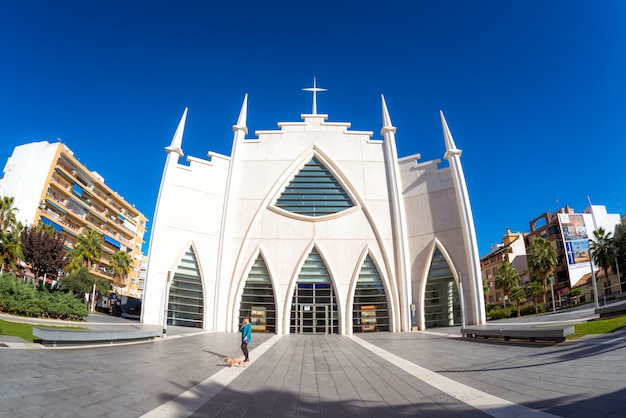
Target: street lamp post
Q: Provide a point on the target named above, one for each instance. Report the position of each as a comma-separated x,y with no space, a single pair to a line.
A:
165,298
593,268
552,288
619,280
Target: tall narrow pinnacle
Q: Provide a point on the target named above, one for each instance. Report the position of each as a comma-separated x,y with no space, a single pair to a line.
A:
243,115
387,125
447,137
177,140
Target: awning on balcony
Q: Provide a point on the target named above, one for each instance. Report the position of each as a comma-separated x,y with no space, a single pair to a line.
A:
47,221
57,207
112,241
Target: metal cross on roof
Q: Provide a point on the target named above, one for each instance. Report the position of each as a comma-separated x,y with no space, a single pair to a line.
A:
314,89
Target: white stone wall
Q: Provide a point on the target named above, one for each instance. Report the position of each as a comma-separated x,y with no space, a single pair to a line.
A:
25,176
229,223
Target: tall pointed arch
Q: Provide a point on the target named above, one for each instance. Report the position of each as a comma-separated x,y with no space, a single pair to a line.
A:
442,306
257,299
185,302
370,310
314,303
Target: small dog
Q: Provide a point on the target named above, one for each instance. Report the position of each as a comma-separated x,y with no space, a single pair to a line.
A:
238,361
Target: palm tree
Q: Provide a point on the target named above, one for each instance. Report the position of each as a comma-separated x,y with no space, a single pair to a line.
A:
121,263
619,246
535,289
601,250
10,249
87,251
507,278
541,260
517,295
7,213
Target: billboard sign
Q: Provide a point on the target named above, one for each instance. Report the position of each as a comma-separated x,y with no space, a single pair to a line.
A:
576,239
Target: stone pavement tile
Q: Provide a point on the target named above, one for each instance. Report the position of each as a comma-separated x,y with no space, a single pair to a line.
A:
31,411
286,404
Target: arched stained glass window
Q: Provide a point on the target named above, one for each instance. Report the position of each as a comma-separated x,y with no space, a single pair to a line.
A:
370,311
314,307
442,307
185,305
314,191
257,300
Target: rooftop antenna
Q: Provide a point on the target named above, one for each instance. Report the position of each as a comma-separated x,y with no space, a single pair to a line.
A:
314,89
556,200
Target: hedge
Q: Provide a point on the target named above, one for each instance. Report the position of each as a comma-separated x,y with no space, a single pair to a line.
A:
20,298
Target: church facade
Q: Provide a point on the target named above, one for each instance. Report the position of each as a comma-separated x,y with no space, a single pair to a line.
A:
313,228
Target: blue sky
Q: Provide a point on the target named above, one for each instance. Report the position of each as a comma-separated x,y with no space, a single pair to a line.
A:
534,92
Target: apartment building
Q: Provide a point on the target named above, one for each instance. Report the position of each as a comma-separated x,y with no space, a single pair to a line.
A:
569,232
50,185
511,250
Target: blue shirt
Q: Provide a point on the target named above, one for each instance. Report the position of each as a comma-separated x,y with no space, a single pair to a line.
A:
246,333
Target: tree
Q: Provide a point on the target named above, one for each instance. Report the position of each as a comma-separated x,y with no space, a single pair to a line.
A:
574,294
507,278
619,248
535,289
43,248
81,282
121,264
541,260
517,296
10,228
7,213
601,250
10,248
78,282
87,251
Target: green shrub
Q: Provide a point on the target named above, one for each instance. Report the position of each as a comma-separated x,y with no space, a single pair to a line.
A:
20,298
530,309
499,313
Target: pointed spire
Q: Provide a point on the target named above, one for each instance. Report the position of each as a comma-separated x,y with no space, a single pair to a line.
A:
387,126
177,140
243,115
451,148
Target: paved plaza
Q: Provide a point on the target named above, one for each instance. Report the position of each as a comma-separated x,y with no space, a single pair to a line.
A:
421,374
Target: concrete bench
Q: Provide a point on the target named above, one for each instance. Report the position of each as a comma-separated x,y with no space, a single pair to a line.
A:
56,337
611,310
557,334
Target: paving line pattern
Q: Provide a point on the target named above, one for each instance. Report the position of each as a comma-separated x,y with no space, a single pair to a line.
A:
189,401
489,404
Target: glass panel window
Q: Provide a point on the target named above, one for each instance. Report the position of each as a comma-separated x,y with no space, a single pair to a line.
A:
257,300
314,306
314,191
185,305
370,311
442,307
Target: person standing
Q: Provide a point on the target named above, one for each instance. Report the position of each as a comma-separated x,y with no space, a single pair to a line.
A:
246,336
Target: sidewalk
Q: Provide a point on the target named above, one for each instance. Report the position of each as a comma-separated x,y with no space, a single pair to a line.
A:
379,374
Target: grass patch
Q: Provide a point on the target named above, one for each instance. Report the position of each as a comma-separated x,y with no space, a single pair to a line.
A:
598,326
23,330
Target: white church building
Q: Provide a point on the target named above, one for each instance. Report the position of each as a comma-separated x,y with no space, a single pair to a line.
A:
313,228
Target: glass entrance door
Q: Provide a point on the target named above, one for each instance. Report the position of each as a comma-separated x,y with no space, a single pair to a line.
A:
313,309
